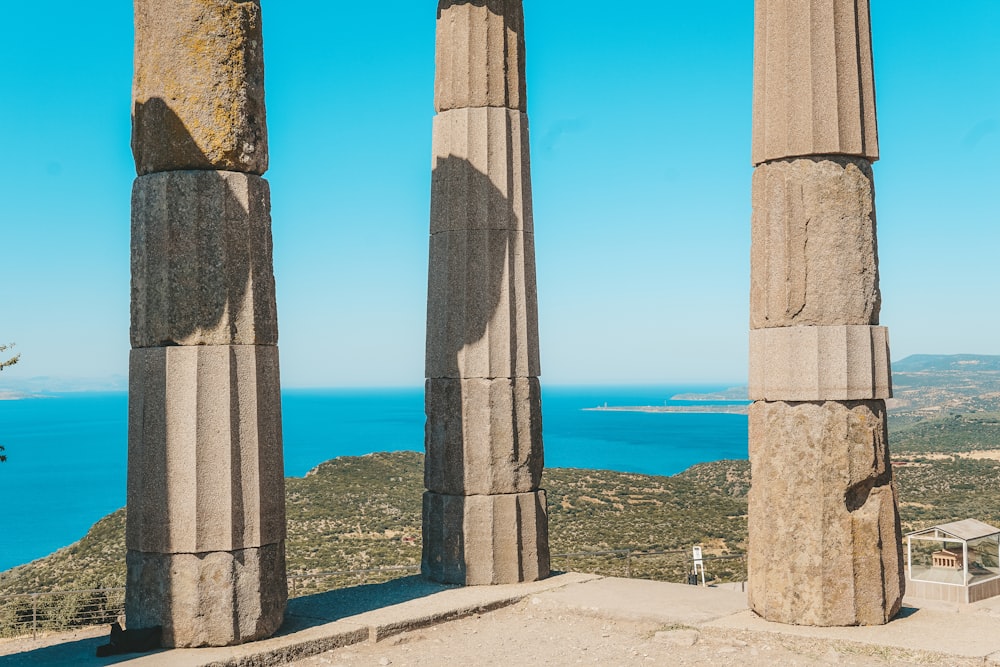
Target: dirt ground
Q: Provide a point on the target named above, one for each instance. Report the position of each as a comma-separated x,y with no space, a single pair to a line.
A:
21,644
584,621
529,634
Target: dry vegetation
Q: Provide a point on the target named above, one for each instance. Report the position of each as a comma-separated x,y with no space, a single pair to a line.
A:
364,512
356,513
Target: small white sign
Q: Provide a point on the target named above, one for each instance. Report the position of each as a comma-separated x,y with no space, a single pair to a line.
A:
699,564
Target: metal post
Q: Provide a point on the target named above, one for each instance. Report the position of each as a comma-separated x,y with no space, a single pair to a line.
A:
909,557
965,567
628,563
34,616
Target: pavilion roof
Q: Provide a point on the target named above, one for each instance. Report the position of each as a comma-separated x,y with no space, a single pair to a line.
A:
967,529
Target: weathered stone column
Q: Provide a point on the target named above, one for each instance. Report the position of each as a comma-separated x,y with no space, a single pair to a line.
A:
485,519
825,544
206,513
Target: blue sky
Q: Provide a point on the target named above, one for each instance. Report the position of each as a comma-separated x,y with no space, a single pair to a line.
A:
640,120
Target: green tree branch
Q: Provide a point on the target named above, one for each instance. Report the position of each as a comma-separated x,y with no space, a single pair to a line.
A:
4,364
10,362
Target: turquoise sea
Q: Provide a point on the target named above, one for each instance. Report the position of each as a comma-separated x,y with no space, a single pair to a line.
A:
67,453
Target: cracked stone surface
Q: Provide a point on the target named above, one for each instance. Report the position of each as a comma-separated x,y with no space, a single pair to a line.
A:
198,89
813,252
823,524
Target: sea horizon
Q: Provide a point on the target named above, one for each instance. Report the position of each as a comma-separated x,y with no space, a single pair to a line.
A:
67,451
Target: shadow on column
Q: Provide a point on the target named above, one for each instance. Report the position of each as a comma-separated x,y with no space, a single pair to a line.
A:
206,480
483,431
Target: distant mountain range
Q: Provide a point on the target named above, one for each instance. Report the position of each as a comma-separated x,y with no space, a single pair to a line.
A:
950,364
918,363
924,385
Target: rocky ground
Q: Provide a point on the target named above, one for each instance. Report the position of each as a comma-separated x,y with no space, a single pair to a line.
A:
571,619
533,632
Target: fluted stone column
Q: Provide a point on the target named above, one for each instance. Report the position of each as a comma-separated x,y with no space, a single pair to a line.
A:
825,543
206,513
485,518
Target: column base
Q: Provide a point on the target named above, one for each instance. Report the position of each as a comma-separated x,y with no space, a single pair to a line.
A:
218,598
825,545
482,540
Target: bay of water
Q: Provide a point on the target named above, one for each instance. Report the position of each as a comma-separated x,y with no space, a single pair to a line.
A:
67,454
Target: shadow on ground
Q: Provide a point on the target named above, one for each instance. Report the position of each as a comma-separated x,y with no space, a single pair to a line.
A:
302,613
322,608
68,653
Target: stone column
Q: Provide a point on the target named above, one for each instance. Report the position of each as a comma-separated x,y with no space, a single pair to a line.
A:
825,543
485,518
206,513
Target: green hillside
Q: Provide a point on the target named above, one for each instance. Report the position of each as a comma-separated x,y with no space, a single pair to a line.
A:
954,433
364,512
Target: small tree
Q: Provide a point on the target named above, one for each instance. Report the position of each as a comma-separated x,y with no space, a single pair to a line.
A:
4,364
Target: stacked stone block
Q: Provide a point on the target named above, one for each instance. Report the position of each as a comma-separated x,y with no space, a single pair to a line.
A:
484,516
206,516
825,542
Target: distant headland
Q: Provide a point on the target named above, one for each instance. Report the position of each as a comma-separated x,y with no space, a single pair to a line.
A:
731,409
731,401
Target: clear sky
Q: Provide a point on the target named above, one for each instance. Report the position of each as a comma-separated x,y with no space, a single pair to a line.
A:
640,120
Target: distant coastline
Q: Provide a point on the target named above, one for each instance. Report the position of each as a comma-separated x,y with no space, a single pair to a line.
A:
741,393
741,409
75,446
731,401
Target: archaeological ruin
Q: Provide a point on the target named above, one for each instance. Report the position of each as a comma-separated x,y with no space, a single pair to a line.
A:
206,525
485,519
206,514
825,546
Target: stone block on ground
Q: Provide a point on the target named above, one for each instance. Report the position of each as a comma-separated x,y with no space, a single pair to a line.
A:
205,466
482,313
482,540
813,251
207,599
480,55
825,545
481,177
814,91
201,260
198,89
820,363
483,436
